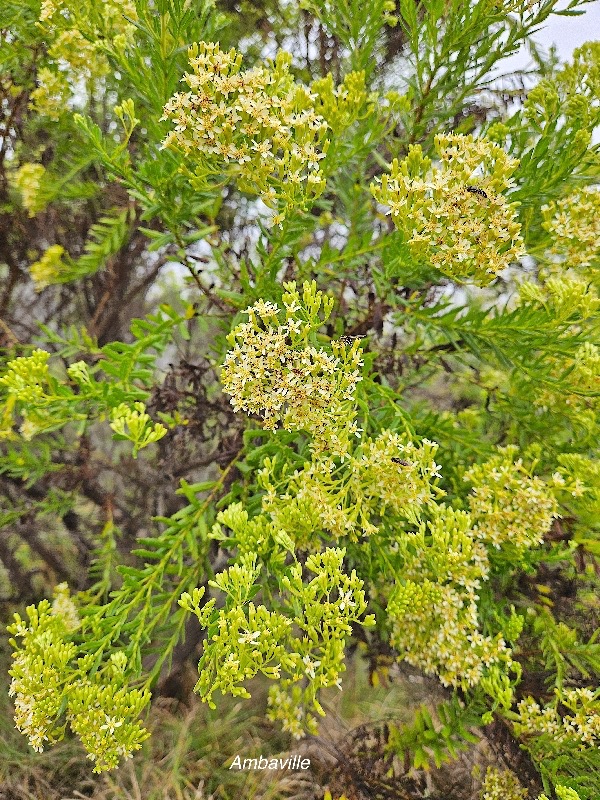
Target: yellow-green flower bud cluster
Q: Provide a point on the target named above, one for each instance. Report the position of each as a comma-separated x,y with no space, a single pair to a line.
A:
105,719
76,33
574,224
587,368
52,92
48,679
391,472
313,500
453,214
45,403
508,505
341,106
347,499
29,180
135,425
433,611
563,793
584,475
26,377
247,641
26,383
244,639
257,126
572,93
72,47
49,267
26,389
502,785
289,709
259,535
582,724
39,673
274,371
562,296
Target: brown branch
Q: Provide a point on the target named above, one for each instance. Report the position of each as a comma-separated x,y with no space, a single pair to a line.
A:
507,748
31,536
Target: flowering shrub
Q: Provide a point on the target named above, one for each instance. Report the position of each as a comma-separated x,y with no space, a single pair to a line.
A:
318,367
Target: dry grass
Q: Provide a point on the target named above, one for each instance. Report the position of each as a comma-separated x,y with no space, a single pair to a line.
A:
187,756
191,748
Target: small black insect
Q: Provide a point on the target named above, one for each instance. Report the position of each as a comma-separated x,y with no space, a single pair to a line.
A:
476,190
401,461
349,339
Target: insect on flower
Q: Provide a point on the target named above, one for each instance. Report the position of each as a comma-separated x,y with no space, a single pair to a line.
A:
349,339
476,190
401,461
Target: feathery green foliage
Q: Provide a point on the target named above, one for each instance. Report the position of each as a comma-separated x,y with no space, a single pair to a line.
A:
382,327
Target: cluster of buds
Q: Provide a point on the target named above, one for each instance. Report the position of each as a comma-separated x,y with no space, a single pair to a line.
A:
29,181
565,297
77,33
49,268
502,785
48,679
508,505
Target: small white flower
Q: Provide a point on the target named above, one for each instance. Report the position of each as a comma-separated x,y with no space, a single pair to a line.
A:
249,637
310,666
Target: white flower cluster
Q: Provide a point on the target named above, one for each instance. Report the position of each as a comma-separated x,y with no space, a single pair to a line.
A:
433,608
508,505
502,785
574,224
581,725
258,125
390,472
64,607
454,215
273,371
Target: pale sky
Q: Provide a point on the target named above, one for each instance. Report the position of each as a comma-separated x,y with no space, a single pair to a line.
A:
571,32
566,33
